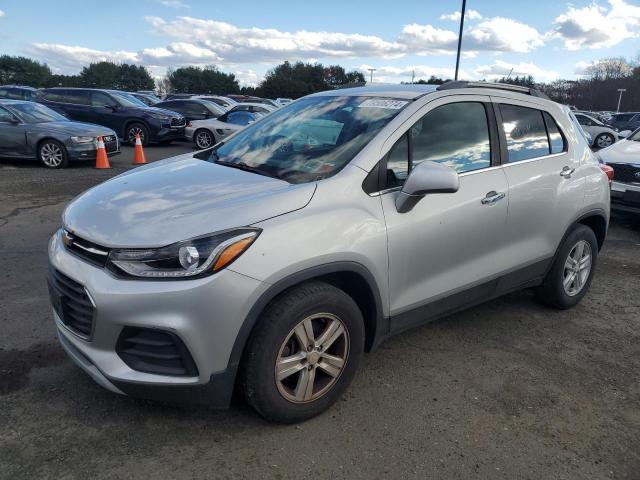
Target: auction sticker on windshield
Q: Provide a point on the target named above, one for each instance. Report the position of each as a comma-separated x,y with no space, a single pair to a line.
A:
383,103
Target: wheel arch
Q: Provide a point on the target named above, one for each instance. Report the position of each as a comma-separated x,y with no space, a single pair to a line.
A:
351,277
596,221
44,139
128,123
210,130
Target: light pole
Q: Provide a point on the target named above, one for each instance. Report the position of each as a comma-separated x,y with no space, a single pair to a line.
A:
620,97
371,70
464,6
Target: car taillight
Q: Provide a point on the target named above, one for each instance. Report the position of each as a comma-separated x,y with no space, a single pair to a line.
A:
608,170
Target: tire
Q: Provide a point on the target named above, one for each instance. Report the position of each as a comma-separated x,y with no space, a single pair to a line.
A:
327,309
204,139
604,140
553,291
53,154
134,128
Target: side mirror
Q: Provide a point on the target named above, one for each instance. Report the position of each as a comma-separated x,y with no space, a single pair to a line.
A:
113,108
624,133
427,177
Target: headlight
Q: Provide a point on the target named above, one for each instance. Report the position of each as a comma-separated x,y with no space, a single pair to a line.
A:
160,116
197,257
82,139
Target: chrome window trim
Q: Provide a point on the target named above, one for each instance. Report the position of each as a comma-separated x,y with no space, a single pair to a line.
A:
529,160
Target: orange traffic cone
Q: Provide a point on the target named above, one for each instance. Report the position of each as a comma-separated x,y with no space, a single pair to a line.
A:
138,152
102,161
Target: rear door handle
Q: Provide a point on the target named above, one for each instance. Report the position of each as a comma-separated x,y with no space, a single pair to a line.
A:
567,172
492,197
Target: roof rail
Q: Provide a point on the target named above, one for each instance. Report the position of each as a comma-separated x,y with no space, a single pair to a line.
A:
455,84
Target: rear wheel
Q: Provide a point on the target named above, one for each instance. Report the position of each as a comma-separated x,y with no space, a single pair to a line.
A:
53,154
572,270
203,139
140,129
304,353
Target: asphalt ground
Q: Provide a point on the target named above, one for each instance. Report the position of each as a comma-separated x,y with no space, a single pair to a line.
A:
506,390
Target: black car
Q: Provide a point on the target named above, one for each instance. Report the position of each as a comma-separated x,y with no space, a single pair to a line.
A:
16,92
193,109
147,99
30,130
117,110
625,121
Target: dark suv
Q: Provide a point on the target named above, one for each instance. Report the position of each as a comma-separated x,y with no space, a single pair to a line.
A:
117,110
16,92
625,121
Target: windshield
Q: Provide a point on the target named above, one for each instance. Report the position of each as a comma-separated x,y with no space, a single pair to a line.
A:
214,107
127,100
36,113
635,136
310,139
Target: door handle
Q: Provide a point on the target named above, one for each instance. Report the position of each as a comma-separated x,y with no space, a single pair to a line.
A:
492,197
567,172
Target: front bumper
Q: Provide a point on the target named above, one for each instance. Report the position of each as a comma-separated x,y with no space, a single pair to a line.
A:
206,314
162,134
625,197
87,151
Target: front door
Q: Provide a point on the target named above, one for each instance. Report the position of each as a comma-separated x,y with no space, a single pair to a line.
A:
12,135
447,249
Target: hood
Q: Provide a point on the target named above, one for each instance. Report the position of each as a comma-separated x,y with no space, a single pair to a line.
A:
162,111
178,199
624,151
73,128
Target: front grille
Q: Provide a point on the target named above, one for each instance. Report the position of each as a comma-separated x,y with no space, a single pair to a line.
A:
72,303
623,172
111,146
178,122
155,351
86,250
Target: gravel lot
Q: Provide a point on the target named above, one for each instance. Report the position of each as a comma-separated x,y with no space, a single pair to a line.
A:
507,390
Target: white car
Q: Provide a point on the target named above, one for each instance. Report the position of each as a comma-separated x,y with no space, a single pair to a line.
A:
206,133
225,102
624,158
603,135
263,108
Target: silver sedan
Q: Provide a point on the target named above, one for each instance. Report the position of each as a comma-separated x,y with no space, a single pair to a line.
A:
206,133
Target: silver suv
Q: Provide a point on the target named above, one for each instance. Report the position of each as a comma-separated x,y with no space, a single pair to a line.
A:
273,260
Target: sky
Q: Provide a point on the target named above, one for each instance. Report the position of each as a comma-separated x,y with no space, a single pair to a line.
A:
544,38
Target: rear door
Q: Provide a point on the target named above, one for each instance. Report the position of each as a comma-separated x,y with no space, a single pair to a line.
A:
449,243
103,110
545,188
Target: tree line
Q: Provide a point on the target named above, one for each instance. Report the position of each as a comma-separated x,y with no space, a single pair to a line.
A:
596,90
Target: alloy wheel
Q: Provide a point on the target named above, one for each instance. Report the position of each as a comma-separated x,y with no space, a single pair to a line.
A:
51,155
604,141
577,268
312,357
132,134
203,139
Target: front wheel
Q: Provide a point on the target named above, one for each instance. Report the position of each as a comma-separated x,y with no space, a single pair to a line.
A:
137,129
53,154
604,140
304,353
572,270
203,139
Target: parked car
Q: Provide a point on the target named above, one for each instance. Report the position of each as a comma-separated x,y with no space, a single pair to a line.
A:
624,157
149,100
120,111
30,130
603,135
625,121
18,92
194,109
206,133
262,108
240,117
271,261
175,96
225,102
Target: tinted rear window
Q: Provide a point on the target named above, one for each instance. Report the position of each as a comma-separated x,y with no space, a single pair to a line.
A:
525,132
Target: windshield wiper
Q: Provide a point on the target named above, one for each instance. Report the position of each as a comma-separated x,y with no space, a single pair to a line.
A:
245,167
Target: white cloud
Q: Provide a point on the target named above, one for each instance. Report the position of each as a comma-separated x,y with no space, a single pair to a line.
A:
581,68
502,35
595,26
468,15
388,74
173,3
502,69
72,58
2,13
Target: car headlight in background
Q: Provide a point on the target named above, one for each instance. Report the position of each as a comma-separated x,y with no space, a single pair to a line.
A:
197,257
82,139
